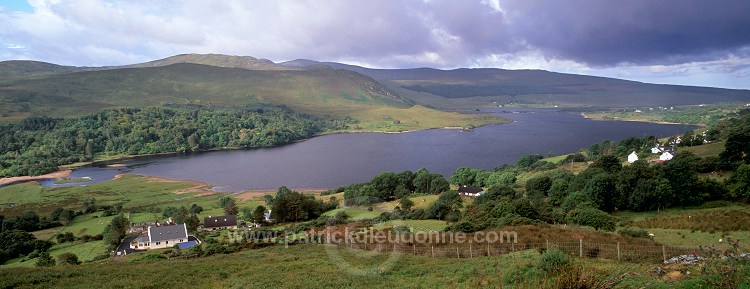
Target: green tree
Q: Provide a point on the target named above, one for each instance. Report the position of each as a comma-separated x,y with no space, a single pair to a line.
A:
737,147
68,259
739,183
558,191
601,189
405,204
195,209
225,201
494,194
89,205
192,222
231,209
528,160
595,218
44,260
609,163
448,203
259,215
115,231
501,179
385,184
464,176
538,186
438,184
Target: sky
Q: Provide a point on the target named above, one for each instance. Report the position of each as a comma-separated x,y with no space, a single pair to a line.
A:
688,42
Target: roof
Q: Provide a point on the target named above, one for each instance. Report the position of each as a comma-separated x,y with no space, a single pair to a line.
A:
219,221
471,190
164,233
187,244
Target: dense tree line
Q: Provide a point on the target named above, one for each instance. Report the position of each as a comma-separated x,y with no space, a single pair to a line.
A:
389,186
39,144
293,206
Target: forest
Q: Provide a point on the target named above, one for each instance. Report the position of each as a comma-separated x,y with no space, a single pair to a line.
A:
39,144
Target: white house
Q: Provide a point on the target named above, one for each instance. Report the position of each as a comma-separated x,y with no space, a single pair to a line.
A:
666,156
159,237
656,149
632,157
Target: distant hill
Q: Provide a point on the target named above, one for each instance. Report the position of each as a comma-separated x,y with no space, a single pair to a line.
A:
468,88
217,60
36,88
304,90
16,69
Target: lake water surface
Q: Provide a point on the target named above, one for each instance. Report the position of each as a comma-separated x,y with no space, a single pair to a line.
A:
334,160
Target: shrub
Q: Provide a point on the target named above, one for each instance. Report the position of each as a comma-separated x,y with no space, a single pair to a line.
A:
554,261
634,232
68,259
593,217
65,237
463,226
45,260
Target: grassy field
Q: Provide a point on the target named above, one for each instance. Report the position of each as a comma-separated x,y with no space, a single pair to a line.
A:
355,213
327,266
133,192
417,226
85,252
705,150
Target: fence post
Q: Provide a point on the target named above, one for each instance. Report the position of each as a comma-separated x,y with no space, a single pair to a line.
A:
512,247
580,248
488,249
471,254
547,243
365,246
618,251
414,246
664,252
457,255
433,251
394,247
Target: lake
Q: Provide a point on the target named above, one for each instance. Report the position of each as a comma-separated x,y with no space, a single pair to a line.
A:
340,159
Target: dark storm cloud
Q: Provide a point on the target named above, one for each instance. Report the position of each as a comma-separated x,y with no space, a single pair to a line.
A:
606,33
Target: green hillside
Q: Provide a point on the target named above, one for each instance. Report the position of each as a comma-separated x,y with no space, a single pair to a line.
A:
466,88
315,91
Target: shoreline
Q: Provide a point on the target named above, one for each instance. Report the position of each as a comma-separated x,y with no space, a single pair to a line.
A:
643,120
60,174
113,161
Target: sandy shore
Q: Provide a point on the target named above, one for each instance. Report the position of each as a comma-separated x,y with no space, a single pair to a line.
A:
53,175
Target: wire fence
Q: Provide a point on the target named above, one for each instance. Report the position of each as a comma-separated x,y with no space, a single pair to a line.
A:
581,249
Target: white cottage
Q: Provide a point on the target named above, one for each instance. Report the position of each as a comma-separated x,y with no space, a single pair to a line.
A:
159,237
666,156
632,157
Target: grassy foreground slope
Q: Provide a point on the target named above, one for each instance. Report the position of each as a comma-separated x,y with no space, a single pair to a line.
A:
306,266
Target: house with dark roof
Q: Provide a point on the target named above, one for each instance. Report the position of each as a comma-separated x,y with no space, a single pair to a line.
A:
158,237
473,192
219,222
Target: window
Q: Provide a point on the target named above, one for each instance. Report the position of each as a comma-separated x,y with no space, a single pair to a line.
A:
157,243
167,243
180,240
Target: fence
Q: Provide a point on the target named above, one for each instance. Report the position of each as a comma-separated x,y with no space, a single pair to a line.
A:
580,249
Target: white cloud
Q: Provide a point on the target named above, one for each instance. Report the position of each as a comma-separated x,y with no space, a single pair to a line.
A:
382,33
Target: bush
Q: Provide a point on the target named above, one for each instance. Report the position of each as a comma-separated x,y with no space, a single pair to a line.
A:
463,226
634,232
592,217
45,260
68,259
554,261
